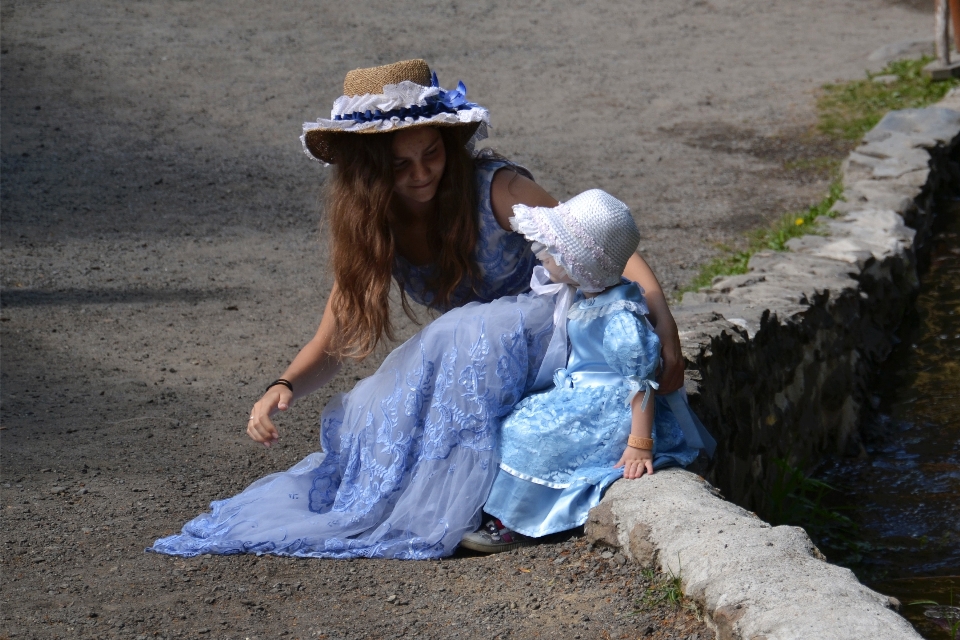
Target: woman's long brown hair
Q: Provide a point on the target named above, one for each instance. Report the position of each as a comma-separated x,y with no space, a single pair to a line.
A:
360,207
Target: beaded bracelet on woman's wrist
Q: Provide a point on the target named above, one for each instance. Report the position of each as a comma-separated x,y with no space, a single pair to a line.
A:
282,382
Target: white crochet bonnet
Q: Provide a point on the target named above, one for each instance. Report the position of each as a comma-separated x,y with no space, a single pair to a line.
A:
591,236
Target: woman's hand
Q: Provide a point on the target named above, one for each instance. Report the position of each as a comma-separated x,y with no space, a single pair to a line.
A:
671,376
259,426
635,463
313,367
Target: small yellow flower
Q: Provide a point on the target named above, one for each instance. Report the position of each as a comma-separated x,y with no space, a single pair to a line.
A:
799,222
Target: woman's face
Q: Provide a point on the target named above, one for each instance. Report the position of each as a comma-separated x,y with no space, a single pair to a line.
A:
419,158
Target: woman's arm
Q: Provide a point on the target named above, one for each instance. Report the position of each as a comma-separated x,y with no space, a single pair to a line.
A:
509,188
639,271
313,367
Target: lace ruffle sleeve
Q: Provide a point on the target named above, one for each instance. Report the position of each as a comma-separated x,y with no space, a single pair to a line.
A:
632,349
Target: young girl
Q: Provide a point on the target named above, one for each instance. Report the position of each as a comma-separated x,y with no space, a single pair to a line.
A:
561,448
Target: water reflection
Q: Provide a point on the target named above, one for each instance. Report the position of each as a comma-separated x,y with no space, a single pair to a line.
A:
904,495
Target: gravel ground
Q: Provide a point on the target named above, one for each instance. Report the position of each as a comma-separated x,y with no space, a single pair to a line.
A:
161,263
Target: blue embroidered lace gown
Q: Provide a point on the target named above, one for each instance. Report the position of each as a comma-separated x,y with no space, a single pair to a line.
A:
559,446
410,453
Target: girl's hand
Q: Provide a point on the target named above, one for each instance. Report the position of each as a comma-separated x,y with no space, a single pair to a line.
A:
259,426
635,463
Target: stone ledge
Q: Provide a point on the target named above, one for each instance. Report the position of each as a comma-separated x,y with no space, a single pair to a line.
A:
779,365
754,581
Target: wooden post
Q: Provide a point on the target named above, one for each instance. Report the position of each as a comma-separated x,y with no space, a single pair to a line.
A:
955,18
941,32
942,68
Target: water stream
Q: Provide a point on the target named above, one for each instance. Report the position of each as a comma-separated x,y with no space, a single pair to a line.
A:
903,497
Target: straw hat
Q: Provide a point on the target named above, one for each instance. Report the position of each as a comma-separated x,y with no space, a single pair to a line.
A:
591,236
389,98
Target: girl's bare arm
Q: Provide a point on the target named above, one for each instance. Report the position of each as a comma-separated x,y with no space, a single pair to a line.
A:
636,462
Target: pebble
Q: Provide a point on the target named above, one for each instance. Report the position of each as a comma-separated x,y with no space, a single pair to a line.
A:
58,490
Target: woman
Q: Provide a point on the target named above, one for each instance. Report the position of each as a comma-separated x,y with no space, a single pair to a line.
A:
412,211
409,455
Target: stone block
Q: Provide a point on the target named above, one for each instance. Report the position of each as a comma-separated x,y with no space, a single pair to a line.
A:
895,145
951,100
926,126
790,264
752,579
912,179
868,190
938,71
600,528
883,232
843,250
858,165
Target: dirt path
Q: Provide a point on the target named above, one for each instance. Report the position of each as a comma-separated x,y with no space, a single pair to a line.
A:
161,264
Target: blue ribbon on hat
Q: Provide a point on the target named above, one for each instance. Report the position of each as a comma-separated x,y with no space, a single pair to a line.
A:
444,102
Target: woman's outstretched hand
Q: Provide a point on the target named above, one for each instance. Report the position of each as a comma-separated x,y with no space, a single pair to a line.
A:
635,463
259,426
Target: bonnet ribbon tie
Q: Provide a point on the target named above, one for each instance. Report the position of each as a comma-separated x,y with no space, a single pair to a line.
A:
555,356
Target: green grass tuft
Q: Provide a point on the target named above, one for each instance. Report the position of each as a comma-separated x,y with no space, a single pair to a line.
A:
850,109
665,588
792,225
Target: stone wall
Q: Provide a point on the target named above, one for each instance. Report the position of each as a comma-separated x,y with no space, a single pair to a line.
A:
782,358
780,364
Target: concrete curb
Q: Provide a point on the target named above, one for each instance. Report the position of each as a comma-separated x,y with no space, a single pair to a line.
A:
752,580
780,364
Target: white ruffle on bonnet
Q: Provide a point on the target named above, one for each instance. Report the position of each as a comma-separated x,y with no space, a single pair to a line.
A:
591,236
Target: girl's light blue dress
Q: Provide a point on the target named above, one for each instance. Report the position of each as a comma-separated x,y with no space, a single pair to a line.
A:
410,453
558,447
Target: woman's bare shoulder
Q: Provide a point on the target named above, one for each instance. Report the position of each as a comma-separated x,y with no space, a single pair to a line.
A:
510,187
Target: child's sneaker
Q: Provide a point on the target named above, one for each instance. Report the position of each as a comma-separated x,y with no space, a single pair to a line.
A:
493,537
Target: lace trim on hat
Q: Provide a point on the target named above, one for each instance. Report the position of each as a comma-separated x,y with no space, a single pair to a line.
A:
581,234
394,96
402,104
465,116
582,313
